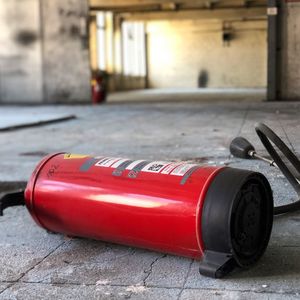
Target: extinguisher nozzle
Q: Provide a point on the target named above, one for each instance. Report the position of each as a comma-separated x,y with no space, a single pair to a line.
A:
241,148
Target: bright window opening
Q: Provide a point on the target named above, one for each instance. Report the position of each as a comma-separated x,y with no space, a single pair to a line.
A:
134,49
101,41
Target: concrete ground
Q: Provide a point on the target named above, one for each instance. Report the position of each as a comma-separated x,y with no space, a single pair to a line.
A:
37,265
195,94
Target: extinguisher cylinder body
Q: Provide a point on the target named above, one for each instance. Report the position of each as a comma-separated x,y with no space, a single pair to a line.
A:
219,215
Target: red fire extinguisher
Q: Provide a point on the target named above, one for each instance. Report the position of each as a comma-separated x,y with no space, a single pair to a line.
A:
220,215
99,88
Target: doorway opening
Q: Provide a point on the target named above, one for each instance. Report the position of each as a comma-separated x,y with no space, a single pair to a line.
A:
184,48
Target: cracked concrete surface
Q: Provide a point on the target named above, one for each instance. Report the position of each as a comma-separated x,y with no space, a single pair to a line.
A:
3,287
39,265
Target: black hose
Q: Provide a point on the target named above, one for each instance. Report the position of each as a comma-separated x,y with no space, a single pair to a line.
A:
266,135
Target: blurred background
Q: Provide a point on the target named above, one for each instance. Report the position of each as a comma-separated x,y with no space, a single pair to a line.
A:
79,51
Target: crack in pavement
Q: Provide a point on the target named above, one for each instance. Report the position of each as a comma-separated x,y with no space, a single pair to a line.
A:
158,287
31,268
185,279
149,271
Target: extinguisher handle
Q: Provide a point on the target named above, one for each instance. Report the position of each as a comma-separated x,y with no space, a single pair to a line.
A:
9,199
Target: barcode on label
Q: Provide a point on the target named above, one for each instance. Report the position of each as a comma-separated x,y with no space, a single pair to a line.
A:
155,167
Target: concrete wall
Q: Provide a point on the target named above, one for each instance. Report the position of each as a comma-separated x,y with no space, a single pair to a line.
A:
20,51
65,50
290,70
178,51
44,54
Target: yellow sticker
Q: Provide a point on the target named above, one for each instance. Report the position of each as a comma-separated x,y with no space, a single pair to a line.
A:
74,156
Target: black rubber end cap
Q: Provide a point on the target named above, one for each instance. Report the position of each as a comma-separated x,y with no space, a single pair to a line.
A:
240,147
236,223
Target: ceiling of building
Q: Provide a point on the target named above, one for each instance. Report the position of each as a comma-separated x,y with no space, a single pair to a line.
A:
121,6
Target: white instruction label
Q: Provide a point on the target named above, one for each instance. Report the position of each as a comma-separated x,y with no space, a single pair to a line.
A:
182,169
170,167
134,164
155,167
107,161
119,162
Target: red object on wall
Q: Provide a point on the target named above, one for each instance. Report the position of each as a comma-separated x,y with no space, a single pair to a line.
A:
155,205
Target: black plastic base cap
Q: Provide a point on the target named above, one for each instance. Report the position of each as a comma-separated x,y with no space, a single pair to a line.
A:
237,219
